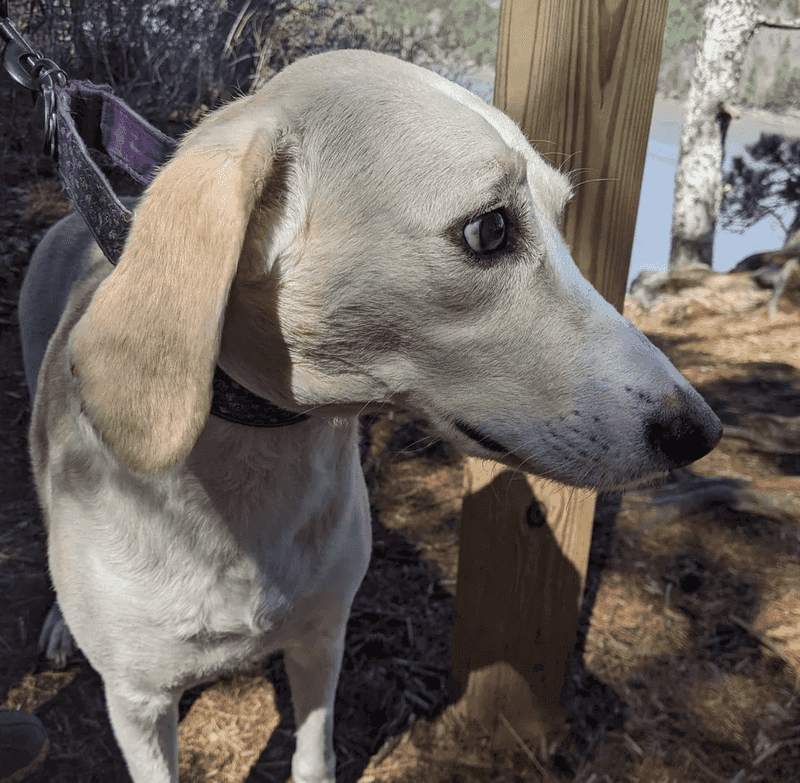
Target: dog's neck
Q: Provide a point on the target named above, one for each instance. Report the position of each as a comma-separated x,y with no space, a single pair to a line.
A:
233,402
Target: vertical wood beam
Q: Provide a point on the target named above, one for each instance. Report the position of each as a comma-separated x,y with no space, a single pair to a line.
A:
579,76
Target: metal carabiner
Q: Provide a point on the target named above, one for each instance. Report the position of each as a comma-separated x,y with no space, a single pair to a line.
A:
19,60
34,72
48,74
44,119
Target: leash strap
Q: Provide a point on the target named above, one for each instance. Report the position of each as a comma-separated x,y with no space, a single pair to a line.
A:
79,116
92,117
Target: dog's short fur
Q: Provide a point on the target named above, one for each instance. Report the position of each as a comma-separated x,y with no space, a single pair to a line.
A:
359,233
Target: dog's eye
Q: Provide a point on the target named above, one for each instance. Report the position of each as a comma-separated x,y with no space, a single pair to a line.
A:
487,233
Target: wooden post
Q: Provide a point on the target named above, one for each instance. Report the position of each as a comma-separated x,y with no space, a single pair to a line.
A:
579,76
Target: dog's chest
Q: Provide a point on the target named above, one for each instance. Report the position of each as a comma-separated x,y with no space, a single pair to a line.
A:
242,550
274,580
298,535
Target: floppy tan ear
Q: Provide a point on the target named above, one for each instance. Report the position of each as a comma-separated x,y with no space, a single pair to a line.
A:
144,351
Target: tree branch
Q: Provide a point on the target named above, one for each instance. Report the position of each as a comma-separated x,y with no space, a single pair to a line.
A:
777,22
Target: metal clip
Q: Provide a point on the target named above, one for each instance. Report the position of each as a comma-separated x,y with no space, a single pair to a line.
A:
34,72
18,60
30,68
44,118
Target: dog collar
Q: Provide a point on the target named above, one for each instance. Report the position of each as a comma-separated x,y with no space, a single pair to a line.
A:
233,402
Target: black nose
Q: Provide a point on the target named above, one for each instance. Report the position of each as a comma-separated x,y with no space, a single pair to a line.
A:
685,437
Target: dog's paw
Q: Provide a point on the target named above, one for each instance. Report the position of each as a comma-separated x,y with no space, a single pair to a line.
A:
55,640
293,779
311,770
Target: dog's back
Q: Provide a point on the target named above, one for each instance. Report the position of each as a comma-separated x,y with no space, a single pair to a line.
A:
60,260
64,256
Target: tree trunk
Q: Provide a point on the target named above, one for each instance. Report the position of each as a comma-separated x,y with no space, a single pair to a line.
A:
728,27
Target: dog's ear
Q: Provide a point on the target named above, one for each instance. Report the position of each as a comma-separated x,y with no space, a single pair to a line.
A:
145,350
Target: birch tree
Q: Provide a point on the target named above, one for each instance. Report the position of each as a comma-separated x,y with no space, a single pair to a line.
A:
728,27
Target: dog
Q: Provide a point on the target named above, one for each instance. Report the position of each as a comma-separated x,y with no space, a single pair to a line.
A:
359,233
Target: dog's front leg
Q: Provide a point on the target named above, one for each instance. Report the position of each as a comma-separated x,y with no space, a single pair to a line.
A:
146,728
313,673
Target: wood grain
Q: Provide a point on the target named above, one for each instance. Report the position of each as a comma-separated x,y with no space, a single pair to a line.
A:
579,76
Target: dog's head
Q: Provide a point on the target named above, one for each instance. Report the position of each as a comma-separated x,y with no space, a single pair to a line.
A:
362,232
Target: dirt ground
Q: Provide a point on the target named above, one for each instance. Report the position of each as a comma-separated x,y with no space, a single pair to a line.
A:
687,665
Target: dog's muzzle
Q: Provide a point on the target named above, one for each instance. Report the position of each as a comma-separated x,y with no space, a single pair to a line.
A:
660,434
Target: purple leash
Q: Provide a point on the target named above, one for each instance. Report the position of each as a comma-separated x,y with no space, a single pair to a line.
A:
86,112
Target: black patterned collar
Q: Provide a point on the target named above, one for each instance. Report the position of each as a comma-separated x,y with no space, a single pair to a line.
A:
233,402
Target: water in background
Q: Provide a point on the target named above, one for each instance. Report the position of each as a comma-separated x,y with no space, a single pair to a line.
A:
651,241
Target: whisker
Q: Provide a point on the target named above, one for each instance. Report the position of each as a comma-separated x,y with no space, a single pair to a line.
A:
537,142
597,179
407,449
567,158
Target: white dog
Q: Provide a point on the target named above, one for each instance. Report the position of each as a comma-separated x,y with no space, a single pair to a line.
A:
359,233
